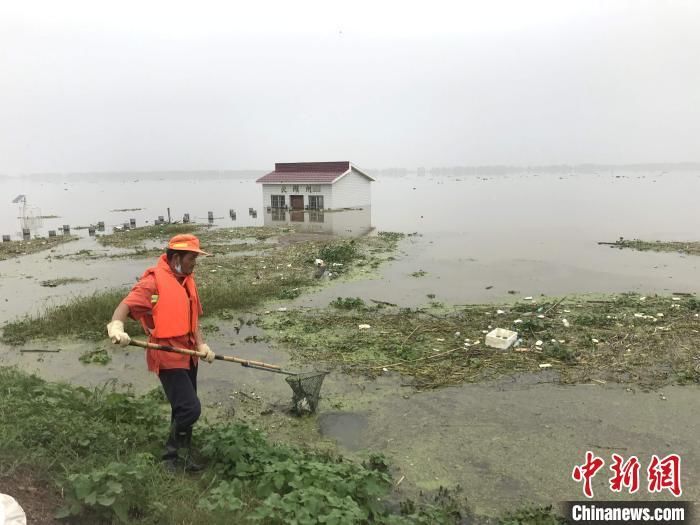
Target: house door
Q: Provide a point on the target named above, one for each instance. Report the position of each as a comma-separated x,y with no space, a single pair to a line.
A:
296,202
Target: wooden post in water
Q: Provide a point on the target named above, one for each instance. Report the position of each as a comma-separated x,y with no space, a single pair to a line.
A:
168,215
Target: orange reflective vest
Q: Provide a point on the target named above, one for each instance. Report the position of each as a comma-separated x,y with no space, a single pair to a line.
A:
176,312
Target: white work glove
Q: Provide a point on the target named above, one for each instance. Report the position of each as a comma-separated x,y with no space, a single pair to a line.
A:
115,331
210,356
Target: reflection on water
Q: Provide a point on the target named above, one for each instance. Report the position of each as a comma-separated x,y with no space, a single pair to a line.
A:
346,223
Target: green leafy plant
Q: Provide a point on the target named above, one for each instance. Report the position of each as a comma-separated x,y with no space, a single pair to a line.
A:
99,356
273,472
348,303
339,252
226,496
309,506
107,492
289,293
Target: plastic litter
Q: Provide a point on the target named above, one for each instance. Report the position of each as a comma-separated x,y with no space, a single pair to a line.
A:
545,365
566,323
500,338
364,326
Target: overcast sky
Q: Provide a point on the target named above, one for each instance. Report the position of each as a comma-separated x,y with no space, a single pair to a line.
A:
157,85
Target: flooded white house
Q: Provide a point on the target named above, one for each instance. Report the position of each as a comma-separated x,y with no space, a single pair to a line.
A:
316,186
323,197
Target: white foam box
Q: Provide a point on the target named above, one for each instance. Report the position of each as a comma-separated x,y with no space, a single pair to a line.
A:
501,338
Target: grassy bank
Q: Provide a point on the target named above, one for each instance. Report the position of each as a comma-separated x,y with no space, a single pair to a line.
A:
95,452
208,236
687,248
9,250
225,284
626,338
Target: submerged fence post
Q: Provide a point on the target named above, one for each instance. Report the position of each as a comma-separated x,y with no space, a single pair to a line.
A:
168,215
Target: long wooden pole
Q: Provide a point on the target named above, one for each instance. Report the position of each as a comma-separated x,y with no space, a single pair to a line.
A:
243,362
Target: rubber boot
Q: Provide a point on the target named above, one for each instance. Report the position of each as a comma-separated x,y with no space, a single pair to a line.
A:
186,443
170,457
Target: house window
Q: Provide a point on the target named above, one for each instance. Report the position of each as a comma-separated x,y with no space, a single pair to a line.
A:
283,189
315,202
278,201
295,188
278,215
315,189
316,216
308,189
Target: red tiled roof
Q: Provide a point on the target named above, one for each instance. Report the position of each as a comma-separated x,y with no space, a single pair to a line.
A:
314,172
320,177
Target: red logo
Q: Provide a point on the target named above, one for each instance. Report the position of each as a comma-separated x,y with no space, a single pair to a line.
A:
665,474
587,471
626,474
662,474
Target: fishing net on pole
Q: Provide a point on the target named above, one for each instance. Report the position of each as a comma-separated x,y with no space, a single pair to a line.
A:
306,388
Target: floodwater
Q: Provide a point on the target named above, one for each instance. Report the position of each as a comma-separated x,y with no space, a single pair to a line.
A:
480,237
507,443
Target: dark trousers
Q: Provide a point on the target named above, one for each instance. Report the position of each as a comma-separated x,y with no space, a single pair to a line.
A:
180,388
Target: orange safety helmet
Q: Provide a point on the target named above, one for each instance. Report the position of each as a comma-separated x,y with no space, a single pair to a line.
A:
186,242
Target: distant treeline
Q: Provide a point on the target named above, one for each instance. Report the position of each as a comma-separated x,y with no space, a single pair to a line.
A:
658,168
551,168
148,175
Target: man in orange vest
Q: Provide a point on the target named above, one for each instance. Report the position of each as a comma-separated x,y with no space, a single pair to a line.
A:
166,302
